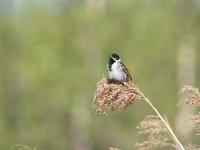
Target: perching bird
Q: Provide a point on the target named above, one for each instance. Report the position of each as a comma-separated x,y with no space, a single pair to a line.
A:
117,71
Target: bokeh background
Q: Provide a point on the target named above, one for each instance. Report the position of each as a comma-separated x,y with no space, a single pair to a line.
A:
53,52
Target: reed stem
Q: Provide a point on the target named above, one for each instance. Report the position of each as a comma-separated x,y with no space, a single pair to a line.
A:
178,143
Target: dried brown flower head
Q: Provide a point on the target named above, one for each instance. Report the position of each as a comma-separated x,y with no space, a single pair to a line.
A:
151,125
114,96
195,121
193,97
156,132
153,143
191,146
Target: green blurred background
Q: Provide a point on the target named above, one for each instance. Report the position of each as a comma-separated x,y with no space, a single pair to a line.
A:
53,52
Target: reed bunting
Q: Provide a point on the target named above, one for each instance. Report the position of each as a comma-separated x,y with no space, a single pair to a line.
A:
117,71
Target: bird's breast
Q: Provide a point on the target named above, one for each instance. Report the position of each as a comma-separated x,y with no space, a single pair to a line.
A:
116,72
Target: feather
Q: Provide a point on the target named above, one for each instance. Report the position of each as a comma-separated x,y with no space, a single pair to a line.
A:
126,71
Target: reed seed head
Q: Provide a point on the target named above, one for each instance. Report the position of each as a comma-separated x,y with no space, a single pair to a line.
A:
195,121
151,125
114,96
193,95
155,133
191,146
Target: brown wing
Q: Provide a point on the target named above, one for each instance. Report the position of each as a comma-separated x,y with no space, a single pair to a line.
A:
125,69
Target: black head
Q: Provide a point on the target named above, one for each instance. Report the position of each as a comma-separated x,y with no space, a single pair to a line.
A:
115,56
112,59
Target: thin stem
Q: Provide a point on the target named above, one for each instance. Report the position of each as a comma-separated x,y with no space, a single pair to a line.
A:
178,143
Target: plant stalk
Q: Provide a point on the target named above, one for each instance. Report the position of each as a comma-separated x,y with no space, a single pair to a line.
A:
178,143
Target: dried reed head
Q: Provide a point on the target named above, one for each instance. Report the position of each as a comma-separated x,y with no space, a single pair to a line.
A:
191,146
195,121
153,143
114,96
192,98
151,125
193,95
156,132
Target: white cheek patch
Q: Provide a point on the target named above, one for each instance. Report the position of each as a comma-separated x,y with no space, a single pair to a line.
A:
118,61
114,59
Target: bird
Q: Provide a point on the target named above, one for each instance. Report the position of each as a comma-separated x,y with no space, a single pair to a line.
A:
117,71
